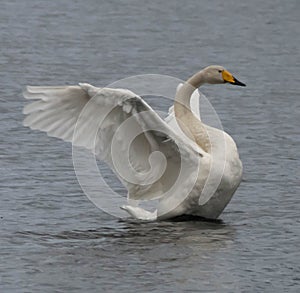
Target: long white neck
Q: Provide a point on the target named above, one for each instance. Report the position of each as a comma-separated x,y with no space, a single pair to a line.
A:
188,122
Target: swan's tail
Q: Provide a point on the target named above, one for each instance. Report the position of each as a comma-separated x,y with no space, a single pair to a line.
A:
139,213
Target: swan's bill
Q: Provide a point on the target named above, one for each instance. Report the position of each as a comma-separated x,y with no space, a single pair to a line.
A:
228,77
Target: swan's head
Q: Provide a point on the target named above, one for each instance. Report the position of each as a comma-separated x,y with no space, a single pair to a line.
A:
216,74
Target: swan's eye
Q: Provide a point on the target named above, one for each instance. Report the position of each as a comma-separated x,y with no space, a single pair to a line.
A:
220,71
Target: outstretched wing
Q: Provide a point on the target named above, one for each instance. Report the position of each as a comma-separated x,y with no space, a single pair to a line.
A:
122,130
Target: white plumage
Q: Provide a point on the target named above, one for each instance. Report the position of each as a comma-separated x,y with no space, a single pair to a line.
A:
162,162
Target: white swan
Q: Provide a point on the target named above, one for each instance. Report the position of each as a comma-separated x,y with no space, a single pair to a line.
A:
200,169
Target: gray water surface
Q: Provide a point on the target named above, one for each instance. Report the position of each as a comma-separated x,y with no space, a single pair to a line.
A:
53,239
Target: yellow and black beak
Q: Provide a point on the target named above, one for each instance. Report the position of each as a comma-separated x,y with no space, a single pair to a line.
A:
228,77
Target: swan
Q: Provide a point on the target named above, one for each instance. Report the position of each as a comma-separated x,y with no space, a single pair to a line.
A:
188,167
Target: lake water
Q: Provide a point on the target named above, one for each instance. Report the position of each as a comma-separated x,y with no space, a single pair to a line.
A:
53,239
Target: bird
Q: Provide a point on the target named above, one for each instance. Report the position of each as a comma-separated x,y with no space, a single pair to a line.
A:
181,164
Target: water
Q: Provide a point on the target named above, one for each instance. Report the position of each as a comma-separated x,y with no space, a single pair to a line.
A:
52,237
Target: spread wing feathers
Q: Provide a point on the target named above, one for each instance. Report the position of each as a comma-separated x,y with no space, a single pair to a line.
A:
119,127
